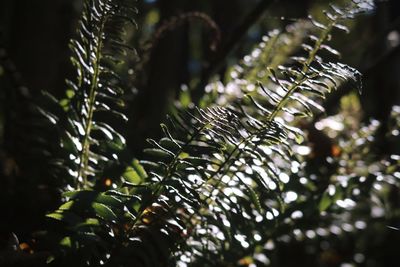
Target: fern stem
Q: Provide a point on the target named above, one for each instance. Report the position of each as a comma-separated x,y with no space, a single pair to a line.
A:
84,156
302,77
236,152
169,172
299,81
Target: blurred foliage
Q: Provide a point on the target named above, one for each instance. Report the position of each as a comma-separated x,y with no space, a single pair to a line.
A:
245,170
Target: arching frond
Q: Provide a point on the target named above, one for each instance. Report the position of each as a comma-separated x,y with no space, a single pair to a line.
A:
226,164
91,115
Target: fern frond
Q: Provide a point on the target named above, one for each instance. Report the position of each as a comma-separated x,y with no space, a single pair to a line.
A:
272,51
93,107
225,164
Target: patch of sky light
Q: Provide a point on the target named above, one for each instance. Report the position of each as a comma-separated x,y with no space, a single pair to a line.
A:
284,177
242,240
296,215
295,166
290,196
302,150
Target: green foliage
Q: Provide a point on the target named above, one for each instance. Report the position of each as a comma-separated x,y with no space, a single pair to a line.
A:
229,183
215,172
88,118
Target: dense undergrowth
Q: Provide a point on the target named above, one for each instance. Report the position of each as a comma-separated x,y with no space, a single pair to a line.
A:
245,179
